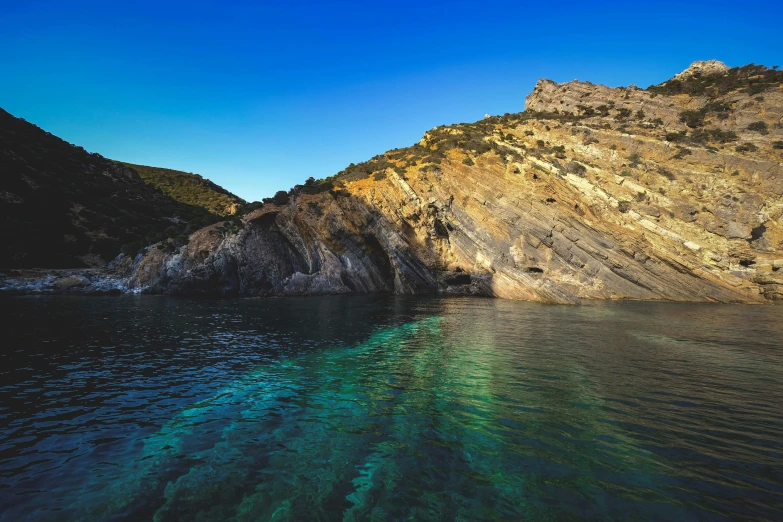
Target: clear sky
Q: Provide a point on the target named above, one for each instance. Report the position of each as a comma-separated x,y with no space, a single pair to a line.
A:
258,96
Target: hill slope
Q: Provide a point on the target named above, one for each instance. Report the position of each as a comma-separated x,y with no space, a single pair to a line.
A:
61,206
190,189
674,192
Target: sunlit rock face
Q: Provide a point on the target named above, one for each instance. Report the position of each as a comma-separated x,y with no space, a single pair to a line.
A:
702,68
674,192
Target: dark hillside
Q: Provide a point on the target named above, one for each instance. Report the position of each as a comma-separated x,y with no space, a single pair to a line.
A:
62,207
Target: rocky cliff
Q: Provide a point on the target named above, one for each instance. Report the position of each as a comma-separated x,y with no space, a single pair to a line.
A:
674,192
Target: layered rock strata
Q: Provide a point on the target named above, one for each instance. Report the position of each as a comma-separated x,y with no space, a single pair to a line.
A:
591,193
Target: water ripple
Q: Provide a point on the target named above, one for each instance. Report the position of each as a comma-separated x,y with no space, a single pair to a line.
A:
356,408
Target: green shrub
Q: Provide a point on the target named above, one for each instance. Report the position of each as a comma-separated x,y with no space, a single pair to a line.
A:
576,169
280,198
313,186
681,153
746,147
720,109
758,126
718,135
777,144
693,118
756,88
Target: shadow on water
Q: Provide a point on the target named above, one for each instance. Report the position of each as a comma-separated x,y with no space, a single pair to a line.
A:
356,408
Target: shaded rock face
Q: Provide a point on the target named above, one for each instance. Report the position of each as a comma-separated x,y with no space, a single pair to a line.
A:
592,193
335,246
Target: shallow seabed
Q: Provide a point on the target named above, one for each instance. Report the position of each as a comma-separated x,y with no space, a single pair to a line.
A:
384,408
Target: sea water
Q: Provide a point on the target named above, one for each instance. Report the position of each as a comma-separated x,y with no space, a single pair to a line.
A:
388,408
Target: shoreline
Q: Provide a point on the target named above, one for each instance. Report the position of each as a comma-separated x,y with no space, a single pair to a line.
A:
97,282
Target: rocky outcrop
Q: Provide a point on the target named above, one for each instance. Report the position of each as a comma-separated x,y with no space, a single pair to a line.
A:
702,68
591,193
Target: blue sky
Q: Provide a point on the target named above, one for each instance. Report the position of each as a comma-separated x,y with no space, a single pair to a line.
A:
260,96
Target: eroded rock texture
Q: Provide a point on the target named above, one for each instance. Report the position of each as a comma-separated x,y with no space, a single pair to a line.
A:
592,193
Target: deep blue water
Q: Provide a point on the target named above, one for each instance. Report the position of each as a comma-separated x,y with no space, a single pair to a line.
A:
383,408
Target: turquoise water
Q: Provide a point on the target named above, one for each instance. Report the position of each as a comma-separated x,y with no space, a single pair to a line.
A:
383,408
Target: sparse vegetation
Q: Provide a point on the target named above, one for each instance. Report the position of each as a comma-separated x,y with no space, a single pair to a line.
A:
713,135
190,189
752,79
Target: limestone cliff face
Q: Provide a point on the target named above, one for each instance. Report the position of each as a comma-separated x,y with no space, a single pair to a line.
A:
591,193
